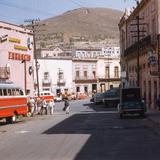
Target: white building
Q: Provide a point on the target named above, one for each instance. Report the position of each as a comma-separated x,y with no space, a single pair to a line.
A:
111,52
55,74
16,55
83,73
87,53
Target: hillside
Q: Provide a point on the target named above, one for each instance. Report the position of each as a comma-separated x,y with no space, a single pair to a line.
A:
83,25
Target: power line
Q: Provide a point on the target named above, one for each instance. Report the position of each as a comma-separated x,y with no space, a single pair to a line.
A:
26,8
76,3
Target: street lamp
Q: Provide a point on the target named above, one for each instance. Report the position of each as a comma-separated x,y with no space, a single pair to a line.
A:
59,78
25,76
37,68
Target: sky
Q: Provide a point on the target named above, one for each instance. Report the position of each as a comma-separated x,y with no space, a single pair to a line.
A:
17,11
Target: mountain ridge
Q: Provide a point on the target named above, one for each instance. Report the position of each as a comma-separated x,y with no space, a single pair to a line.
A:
79,25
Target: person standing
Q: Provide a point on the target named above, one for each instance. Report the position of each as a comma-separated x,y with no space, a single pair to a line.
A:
43,107
31,106
66,106
51,106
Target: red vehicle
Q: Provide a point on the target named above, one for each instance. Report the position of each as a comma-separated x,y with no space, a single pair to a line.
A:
47,95
13,102
81,95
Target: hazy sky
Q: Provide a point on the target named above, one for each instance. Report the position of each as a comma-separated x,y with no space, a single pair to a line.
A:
16,11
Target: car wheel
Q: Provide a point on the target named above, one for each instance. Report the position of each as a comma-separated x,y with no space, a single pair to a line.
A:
12,119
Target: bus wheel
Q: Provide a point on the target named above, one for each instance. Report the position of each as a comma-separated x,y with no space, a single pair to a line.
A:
12,119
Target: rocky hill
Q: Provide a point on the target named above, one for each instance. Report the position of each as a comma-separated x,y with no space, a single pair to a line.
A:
83,27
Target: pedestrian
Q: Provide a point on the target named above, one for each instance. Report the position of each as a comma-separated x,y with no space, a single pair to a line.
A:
66,106
158,102
31,105
43,107
39,104
51,106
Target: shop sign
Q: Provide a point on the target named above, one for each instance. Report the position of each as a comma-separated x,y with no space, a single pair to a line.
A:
29,43
3,38
18,56
22,48
14,40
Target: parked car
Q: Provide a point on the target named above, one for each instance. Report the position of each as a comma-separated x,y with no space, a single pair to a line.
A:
58,98
81,95
111,97
98,97
131,102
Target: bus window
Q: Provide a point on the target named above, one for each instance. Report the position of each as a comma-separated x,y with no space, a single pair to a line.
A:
1,93
14,92
17,92
9,92
4,92
21,92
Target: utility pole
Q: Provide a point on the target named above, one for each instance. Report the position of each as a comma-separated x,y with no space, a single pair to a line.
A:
138,36
158,37
33,25
59,78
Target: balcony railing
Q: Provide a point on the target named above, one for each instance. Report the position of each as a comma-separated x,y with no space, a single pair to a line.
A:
134,48
85,79
61,82
46,82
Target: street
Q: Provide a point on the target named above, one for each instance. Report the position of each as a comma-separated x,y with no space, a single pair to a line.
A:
89,132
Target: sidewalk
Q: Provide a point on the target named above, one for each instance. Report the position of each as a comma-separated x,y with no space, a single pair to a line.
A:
154,116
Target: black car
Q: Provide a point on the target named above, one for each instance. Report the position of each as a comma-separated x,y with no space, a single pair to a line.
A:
111,97
131,102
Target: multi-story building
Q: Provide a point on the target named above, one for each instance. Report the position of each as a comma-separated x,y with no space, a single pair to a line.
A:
111,52
55,74
84,72
87,53
16,56
140,49
56,52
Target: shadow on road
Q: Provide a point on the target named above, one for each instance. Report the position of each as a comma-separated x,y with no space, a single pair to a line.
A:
99,107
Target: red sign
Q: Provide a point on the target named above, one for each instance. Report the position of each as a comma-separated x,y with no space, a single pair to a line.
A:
18,56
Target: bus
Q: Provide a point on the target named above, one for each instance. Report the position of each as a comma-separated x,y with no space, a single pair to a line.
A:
47,95
13,102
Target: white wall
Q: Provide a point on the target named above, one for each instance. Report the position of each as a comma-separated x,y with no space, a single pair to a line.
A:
52,66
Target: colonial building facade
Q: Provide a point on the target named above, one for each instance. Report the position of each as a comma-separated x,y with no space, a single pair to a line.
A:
16,56
140,49
78,75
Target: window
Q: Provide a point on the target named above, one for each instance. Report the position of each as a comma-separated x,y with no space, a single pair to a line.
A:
107,72
116,72
4,92
1,93
86,89
94,74
77,89
85,74
77,74
46,75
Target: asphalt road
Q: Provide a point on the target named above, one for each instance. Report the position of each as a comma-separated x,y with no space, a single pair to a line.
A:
89,132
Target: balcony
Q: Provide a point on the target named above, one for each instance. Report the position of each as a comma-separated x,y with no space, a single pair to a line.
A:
61,82
46,82
134,48
85,79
